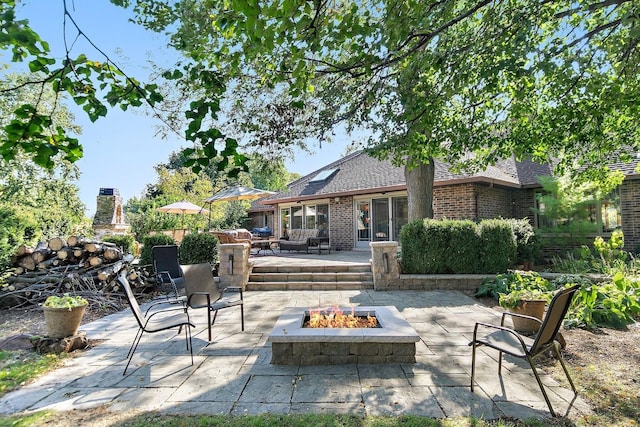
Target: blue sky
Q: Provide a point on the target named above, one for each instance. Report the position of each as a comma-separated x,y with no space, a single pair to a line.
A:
120,150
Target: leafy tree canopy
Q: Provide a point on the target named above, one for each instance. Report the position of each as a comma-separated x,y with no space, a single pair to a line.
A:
429,79
542,79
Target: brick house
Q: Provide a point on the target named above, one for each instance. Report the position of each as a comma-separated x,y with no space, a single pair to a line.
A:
359,199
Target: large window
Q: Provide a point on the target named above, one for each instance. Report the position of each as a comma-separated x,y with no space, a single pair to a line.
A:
605,212
305,216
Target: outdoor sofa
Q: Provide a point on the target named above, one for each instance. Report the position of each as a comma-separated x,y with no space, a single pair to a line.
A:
298,239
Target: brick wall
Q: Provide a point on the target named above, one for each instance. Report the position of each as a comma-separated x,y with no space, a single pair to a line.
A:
474,201
494,202
524,202
454,202
630,204
341,224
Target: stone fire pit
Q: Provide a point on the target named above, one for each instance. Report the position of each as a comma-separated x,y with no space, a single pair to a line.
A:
392,342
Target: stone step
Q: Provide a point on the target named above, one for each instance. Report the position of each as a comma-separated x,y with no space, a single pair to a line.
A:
313,269
306,286
311,277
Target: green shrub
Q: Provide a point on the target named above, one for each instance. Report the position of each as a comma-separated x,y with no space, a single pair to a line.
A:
527,242
125,243
455,246
199,247
149,242
614,304
464,252
498,245
512,281
414,253
17,226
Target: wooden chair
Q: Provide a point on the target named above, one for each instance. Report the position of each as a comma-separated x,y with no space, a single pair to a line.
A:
507,340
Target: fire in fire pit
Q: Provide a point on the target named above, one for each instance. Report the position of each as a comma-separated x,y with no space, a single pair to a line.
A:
336,318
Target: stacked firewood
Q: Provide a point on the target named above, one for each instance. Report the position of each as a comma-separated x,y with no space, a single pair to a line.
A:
74,265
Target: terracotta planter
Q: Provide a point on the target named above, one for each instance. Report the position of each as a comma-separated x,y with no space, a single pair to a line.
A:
533,308
62,322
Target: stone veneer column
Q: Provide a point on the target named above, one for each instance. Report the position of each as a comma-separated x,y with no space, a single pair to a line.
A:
384,264
234,265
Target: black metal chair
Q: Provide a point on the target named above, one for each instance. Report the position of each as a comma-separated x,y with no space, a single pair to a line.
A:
166,266
148,323
507,340
202,292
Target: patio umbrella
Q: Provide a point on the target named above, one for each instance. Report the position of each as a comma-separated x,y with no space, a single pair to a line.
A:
183,207
238,193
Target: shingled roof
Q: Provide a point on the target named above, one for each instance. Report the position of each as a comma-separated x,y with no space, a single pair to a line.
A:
359,173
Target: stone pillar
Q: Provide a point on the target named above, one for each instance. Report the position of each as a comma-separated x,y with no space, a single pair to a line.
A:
384,264
234,264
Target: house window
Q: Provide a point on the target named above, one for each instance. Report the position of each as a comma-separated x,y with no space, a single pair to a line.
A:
610,211
605,212
305,216
285,216
310,217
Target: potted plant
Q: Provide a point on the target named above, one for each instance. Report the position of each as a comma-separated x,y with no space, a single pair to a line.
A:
527,301
63,314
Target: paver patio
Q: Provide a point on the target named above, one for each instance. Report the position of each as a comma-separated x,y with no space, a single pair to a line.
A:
233,374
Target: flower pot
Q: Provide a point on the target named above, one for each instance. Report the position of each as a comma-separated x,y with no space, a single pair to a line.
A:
533,308
63,322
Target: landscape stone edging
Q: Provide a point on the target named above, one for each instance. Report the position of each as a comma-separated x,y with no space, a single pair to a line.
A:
462,282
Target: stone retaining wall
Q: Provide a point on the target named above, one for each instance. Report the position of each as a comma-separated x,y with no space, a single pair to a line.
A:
338,353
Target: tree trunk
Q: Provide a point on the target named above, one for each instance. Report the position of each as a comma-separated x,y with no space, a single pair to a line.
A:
420,189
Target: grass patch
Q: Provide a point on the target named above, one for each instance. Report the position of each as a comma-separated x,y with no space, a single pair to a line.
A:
270,420
19,366
612,391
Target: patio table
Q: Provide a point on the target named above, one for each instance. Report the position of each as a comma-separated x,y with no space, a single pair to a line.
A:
264,245
313,241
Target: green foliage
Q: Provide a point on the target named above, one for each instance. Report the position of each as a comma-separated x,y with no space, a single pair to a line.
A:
612,250
126,243
606,257
528,246
506,283
17,226
19,367
148,242
464,248
92,85
453,246
566,207
498,245
615,303
65,301
196,248
516,297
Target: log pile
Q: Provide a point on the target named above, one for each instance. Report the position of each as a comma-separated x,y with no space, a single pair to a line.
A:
74,265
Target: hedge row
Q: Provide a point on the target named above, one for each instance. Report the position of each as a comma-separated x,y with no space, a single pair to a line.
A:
194,248
458,246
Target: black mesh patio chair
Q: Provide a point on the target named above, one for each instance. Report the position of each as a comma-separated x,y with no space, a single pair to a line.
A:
202,292
147,322
166,267
507,340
